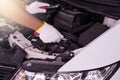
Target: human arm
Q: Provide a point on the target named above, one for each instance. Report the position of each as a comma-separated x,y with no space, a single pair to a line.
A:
10,9
14,11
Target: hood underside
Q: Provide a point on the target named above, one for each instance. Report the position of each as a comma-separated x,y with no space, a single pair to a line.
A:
107,8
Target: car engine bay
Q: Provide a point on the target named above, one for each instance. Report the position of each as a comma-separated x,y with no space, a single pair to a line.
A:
21,50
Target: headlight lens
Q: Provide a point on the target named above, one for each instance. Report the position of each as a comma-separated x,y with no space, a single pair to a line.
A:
69,76
26,75
91,75
99,74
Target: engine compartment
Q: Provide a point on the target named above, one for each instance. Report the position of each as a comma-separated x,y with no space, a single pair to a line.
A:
79,26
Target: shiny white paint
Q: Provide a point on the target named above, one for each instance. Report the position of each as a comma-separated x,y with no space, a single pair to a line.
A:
103,51
109,21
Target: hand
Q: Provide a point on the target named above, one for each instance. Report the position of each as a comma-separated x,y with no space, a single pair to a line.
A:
34,7
48,34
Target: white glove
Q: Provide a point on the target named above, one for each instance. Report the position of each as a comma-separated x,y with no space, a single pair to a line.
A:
34,7
48,34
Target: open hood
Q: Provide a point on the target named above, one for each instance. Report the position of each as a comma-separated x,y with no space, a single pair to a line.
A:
101,52
109,8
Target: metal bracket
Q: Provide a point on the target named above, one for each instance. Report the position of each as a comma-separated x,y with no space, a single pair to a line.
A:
17,38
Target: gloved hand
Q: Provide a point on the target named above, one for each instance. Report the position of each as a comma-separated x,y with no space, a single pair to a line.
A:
34,7
48,34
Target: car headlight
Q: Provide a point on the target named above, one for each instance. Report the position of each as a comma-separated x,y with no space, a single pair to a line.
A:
98,74
26,75
104,73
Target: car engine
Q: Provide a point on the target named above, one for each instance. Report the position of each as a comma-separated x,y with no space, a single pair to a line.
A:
20,49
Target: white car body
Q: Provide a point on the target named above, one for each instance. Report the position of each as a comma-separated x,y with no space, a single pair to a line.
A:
101,52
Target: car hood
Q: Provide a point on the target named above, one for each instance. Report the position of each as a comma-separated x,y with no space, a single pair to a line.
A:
101,52
107,8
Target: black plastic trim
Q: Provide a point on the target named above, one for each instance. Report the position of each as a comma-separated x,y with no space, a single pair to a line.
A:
106,10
